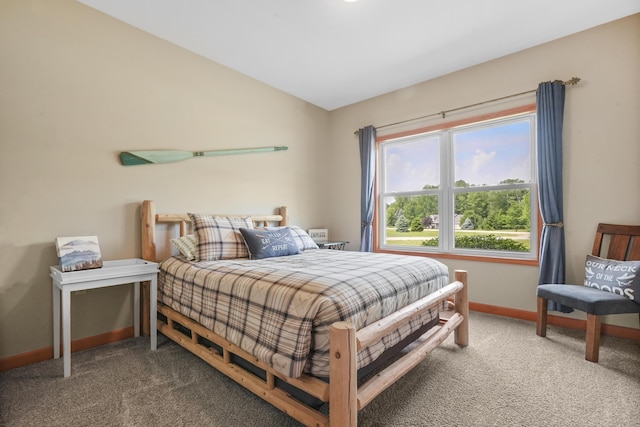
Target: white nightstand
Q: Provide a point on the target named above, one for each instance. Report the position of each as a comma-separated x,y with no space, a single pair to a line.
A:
112,273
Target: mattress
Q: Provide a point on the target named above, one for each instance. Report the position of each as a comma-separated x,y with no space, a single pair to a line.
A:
280,309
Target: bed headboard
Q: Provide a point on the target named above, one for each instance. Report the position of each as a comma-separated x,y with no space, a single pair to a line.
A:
152,248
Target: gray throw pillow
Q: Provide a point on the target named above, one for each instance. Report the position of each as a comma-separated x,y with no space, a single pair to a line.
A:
269,243
301,237
618,277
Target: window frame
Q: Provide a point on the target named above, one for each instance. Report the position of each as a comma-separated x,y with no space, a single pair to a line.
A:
447,166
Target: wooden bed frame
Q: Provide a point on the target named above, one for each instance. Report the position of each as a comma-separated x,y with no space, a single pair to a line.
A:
342,393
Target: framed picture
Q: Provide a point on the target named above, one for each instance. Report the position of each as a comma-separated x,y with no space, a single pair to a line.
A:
78,253
319,234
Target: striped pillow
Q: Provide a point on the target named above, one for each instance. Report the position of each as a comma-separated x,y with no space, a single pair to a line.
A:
186,245
219,237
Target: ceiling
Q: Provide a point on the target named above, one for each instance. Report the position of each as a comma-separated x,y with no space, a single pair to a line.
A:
333,53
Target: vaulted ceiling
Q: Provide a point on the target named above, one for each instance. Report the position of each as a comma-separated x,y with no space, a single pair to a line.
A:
333,53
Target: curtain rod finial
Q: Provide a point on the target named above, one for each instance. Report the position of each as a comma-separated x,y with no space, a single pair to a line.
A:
573,81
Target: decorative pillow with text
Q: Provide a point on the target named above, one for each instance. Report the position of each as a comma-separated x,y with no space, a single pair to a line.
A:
269,243
301,237
618,277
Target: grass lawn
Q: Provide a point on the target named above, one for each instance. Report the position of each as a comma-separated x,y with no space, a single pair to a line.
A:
415,238
391,232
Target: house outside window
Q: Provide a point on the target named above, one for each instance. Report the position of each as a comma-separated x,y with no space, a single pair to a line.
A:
468,189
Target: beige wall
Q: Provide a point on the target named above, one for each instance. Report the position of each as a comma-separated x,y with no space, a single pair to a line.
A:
77,87
601,144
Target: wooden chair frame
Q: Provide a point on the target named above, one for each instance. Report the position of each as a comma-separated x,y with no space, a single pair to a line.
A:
624,244
345,398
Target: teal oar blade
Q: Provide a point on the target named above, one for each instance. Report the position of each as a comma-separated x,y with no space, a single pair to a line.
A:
131,158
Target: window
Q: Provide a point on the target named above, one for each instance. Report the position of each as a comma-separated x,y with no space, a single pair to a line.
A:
467,189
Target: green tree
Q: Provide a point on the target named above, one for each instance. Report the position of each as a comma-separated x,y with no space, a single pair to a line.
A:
412,207
402,224
487,210
477,202
392,214
416,224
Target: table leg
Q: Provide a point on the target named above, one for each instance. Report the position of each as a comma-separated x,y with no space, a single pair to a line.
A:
136,309
153,315
66,331
56,322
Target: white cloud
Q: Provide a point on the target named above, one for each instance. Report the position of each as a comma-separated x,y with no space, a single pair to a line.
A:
481,160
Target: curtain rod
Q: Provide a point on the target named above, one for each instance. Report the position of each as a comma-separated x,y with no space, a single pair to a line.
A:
572,81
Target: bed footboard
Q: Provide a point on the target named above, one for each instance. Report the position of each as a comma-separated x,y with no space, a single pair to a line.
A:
346,399
342,393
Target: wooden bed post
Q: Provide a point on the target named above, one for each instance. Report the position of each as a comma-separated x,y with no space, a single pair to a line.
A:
148,229
461,299
285,216
343,403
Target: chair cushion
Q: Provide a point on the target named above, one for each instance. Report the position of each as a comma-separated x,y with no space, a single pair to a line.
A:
590,300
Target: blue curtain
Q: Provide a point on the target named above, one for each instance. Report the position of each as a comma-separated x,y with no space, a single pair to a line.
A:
550,110
367,141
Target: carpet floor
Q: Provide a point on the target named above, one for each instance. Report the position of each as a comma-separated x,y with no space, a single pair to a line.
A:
507,376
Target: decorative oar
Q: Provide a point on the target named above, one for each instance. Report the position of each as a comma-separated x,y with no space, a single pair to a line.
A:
131,158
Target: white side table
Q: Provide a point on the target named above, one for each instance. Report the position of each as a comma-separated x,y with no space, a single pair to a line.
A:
112,273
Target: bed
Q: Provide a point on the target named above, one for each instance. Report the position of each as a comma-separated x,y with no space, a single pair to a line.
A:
306,330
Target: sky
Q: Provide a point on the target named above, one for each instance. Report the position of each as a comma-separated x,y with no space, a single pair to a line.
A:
483,156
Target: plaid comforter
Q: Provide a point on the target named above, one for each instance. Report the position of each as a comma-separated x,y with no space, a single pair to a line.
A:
280,309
